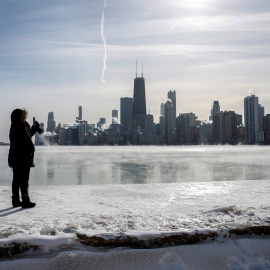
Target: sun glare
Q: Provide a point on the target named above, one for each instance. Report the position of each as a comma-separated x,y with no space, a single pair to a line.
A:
196,3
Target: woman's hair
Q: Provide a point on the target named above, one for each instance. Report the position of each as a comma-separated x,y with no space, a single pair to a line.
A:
24,114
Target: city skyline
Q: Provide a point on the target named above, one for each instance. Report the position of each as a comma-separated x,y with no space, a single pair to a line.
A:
119,115
52,56
139,128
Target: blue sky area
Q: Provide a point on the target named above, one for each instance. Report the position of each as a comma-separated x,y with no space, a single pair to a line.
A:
52,55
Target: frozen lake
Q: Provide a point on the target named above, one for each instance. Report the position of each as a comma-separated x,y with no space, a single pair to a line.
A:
91,165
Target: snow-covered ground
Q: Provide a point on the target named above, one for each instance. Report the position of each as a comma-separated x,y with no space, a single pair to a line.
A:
66,217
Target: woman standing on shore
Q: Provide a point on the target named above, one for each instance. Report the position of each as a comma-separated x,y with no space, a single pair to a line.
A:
21,156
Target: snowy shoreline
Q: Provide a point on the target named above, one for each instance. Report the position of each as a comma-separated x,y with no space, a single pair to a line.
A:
121,226
141,216
15,245
230,254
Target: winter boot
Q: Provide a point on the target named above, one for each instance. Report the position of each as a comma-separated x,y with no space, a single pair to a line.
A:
27,204
25,199
16,201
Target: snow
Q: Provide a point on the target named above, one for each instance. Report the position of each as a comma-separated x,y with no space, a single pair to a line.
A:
240,254
145,211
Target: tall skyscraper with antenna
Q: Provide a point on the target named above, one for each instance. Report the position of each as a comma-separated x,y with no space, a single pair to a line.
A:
139,102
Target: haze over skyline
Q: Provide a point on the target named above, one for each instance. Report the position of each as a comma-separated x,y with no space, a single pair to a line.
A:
53,54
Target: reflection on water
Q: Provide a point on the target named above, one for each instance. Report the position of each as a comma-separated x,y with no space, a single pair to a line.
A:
168,172
132,173
50,171
63,165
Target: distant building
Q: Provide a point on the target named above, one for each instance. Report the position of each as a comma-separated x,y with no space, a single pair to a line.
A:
62,136
149,131
102,121
172,97
149,124
80,113
239,120
170,123
251,109
241,134
83,132
260,117
170,118
266,128
225,127
259,137
215,109
218,127
38,139
115,135
162,125
114,116
186,123
115,113
206,131
139,102
230,125
50,122
126,105
91,127
135,132
72,135
162,109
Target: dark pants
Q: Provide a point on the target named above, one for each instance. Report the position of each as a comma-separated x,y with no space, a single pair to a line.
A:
20,182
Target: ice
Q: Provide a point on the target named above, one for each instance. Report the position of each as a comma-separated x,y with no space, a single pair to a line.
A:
240,254
74,226
146,212
158,208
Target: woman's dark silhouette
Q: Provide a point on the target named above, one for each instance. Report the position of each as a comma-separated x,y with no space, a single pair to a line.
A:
21,156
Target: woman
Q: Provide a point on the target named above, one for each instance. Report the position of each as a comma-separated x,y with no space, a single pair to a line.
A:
21,156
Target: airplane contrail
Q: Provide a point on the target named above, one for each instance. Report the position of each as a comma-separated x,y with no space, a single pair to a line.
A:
104,42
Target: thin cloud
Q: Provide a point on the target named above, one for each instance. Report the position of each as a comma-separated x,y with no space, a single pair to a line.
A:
104,42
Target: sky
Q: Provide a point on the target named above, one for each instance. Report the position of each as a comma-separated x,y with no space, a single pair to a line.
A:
56,55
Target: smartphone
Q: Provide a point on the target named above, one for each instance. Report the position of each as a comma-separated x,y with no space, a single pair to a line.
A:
34,121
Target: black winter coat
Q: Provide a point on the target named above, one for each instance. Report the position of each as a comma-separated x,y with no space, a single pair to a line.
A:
21,151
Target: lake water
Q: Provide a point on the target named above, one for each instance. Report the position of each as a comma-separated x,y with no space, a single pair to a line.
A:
91,165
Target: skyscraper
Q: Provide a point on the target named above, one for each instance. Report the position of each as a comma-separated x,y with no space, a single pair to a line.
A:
114,116
149,124
149,132
37,135
50,122
170,117
162,124
115,113
266,128
172,97
126,105
215,109
251,108
80,113
162,109
218,127
185,124
230,124
79,117
260,116
139,102
102,121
